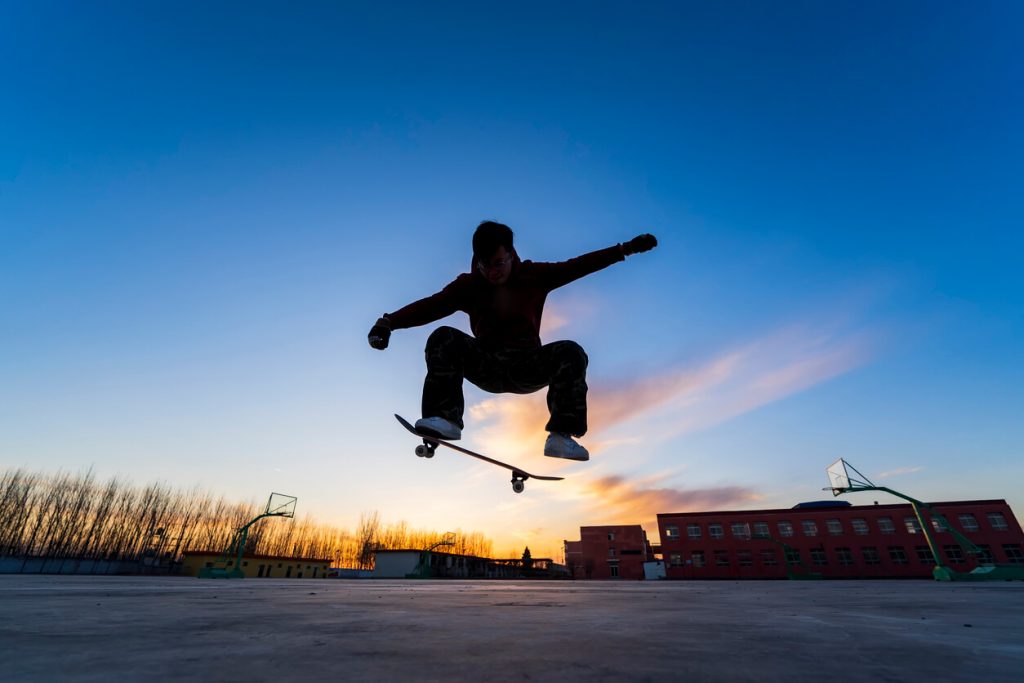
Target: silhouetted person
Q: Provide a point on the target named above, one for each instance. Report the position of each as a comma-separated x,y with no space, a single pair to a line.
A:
504,298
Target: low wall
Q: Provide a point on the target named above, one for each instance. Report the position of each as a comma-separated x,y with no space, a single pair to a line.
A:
44,565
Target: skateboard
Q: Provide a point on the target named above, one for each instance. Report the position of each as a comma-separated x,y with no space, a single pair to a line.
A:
430,444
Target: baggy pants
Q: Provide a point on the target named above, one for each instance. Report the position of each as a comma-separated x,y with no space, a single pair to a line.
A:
453,355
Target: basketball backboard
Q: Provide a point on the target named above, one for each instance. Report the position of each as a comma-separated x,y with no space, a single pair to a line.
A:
281,505
842,477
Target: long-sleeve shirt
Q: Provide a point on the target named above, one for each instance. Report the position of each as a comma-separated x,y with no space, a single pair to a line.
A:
506,315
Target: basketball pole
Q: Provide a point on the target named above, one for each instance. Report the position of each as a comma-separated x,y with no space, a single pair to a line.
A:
241,536
988,571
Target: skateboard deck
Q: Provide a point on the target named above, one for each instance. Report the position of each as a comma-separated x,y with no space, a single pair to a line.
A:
431,442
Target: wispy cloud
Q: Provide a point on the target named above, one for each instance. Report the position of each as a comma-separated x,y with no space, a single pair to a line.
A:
681,399
898,471
621,498
641,410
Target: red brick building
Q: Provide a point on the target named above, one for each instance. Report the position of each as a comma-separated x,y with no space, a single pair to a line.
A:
609,552
834,539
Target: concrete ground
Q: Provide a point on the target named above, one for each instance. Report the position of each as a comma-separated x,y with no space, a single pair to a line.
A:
168,629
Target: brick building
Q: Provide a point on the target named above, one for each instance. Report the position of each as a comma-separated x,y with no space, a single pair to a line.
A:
834,539
608,552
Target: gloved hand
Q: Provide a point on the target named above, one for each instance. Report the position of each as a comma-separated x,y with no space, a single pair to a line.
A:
644,242
380,334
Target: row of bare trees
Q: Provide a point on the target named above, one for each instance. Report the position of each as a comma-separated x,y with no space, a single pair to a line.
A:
75,516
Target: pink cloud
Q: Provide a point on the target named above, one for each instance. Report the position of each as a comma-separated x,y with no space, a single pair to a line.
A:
627,499
683,399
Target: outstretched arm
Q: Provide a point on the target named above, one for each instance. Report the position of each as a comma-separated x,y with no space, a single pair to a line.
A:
559,274
421,312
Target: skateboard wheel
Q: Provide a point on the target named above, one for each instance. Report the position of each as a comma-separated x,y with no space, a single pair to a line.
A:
421,452
518,486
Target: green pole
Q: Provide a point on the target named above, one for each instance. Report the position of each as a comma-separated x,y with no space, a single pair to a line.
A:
986,572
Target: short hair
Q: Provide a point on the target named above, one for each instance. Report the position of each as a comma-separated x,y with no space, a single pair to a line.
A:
488,237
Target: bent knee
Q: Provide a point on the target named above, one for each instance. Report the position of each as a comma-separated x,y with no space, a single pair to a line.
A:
572,352
443,336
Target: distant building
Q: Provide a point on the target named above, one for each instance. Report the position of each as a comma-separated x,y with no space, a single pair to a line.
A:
609,552
833,539
400,564
257,566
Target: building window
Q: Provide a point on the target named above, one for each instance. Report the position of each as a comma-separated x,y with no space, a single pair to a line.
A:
793,556
897,554
954,554
968,522
818,556
722,558
997,521
671,532
675,560
697,558
744,558
715,531
1013,553
613,570
845,557
741,530
693,531
611,536
785,530
835,527
924,554
245,564
913,526
769,557
870,555
939,525
886,526
860,526
761,530
810,527
611,552
984,555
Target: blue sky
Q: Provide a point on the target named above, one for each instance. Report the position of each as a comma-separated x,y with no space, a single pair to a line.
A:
202,210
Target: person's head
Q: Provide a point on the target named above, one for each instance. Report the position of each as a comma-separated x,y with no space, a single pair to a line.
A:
493,252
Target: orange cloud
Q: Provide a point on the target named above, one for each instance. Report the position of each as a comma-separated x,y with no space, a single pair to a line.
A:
626,499
682,399
659,406
615,499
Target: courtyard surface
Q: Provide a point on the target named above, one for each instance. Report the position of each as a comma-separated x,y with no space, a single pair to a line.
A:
79,628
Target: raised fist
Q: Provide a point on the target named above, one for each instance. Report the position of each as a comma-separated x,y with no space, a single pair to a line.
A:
640,243
380,334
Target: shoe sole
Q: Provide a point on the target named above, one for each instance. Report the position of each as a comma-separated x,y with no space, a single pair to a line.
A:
567,457
427,431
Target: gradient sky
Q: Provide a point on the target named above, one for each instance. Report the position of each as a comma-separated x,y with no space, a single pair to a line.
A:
203,210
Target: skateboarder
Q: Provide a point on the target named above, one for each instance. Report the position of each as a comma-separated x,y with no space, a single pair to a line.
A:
504,298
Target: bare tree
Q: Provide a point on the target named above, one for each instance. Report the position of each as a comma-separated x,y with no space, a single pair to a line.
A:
65,516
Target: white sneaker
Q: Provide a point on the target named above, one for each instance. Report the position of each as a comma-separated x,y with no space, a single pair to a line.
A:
439,427
563,446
